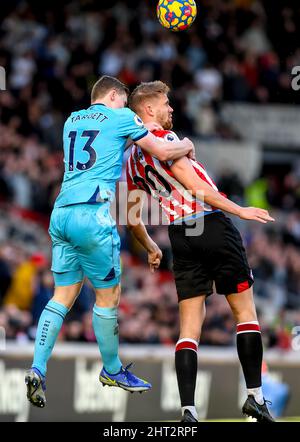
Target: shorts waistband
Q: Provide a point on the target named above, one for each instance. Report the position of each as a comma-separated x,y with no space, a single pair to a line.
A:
193,217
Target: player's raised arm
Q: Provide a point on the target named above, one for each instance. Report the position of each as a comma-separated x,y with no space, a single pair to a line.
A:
137,227
186,175
164,150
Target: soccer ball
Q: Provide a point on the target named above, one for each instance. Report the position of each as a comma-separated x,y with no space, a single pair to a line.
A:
176,15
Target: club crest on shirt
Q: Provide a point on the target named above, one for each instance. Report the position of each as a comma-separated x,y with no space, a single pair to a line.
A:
171,137
138,120
138,155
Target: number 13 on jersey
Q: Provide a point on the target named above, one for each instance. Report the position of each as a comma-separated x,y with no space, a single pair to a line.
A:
88,148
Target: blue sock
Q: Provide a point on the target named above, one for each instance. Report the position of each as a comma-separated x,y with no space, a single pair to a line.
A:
49,326
105,324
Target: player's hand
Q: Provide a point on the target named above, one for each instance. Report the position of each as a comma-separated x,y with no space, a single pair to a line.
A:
154,258
255,214
191,145
153,126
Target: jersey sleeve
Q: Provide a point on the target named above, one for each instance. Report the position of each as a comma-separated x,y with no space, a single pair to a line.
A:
130,125
130,183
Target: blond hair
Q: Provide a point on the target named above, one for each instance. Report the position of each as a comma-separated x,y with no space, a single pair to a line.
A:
146,91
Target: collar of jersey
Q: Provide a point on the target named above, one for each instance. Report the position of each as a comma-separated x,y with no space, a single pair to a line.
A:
98,104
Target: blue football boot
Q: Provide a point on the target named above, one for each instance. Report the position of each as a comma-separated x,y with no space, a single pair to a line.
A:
124,379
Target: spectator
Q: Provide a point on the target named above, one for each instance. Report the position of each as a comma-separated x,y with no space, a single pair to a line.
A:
21,291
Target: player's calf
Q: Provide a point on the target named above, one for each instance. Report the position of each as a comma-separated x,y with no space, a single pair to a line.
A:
248,341
186,364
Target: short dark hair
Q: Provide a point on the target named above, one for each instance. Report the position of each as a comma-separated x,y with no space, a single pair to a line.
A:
106,84
144,91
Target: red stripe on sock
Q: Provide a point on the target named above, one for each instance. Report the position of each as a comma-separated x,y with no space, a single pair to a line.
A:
247,327
186,345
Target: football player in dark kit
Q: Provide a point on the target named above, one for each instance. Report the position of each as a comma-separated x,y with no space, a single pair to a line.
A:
217,255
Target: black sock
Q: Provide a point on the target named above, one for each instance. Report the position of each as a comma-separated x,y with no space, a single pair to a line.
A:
250,351
186,369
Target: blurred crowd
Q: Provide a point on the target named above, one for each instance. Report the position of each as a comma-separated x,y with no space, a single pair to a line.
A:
148,310
239,50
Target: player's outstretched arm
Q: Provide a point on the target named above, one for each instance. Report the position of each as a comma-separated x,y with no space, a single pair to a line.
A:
164,150
138,229
186,175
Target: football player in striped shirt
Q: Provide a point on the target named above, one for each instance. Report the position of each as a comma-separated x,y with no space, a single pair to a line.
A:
215,255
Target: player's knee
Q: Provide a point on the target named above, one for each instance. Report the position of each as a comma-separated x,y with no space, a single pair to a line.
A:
107,302
67,295
242,306
244,313
192,315
108,297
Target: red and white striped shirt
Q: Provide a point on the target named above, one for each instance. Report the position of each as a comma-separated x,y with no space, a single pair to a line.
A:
155,177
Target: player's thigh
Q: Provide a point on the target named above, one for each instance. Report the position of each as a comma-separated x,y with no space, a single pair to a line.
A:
228,260
191,316
242,306
65,265
95,237
191,275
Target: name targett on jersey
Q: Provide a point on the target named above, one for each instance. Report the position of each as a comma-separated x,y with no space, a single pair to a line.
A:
155,177
98,116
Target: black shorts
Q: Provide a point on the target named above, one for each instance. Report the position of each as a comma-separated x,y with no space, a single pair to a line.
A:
215,256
